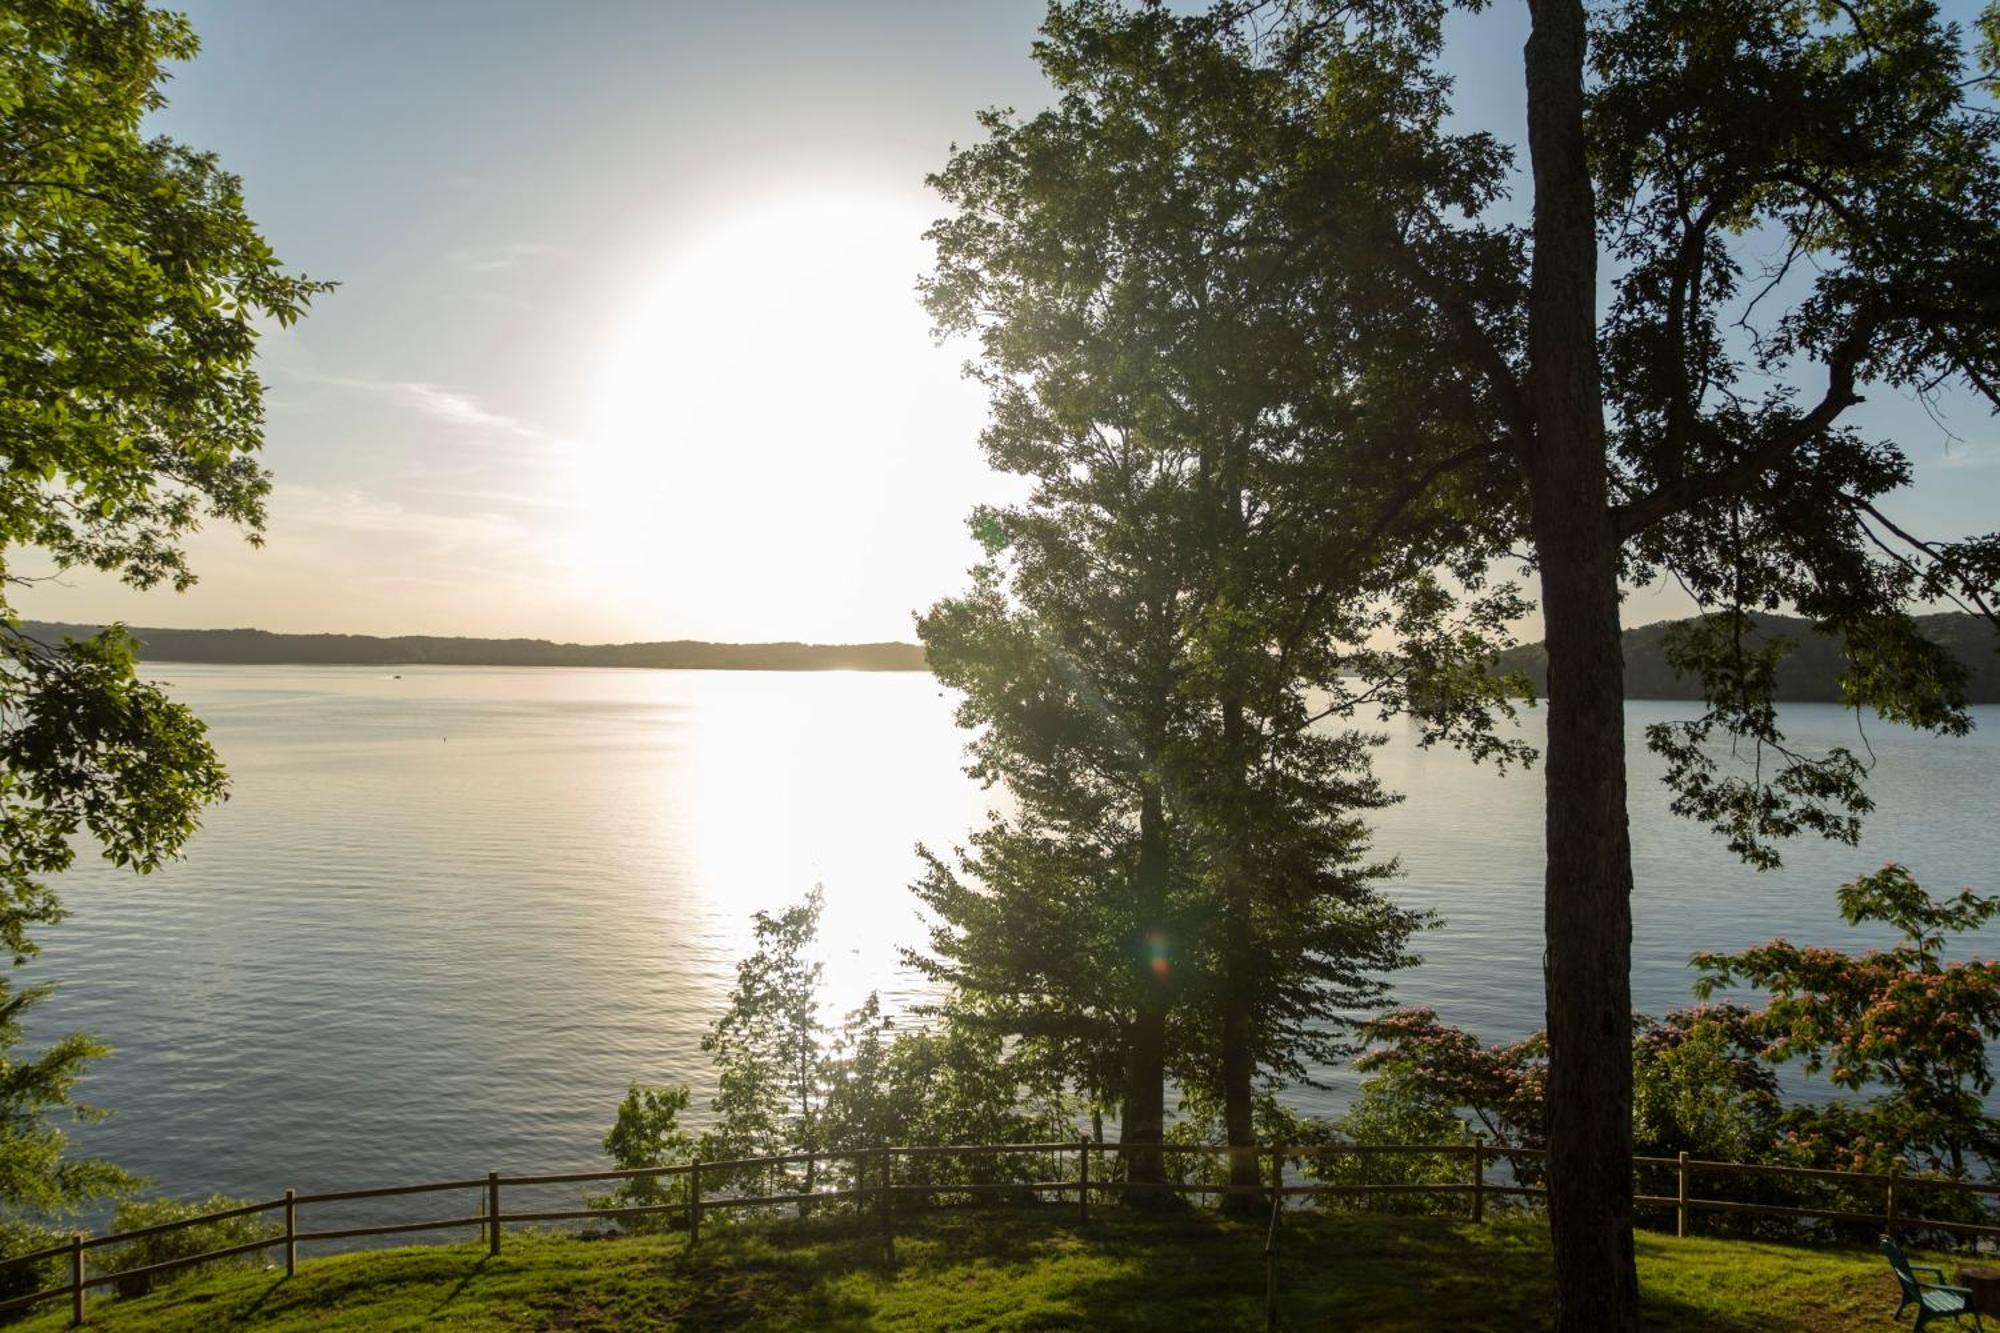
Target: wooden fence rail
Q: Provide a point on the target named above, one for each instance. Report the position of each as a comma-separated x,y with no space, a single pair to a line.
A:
488,1221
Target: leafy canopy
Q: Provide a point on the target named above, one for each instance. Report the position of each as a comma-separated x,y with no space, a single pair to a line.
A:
133,289
1798,204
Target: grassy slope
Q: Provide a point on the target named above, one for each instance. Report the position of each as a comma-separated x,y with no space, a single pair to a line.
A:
1018,1269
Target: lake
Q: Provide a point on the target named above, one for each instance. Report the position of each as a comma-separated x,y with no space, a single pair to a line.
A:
448,914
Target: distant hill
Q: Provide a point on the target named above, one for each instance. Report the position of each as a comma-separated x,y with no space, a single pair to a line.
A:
256,646
1810,675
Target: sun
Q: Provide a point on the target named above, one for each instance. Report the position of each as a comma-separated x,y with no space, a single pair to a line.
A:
769,415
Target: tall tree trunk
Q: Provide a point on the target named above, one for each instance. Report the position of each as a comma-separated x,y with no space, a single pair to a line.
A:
1238,1120
1588,906
1239,1065
1143,1122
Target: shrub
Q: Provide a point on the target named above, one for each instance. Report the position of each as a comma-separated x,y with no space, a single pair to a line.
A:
18,1237
648,1133
183,1242
1903,1019
1391,1111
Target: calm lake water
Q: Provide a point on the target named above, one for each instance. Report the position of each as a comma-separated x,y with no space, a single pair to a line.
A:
448,915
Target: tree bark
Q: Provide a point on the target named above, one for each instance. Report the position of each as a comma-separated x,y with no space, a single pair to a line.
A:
1588,911
1143,1120
1238,1105
1142,1126
1239,1065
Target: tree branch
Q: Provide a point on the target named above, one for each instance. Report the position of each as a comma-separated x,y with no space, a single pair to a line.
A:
1927,549
1399,503
1670,498
1472,336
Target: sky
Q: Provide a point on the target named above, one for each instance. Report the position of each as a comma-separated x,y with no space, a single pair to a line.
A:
626,345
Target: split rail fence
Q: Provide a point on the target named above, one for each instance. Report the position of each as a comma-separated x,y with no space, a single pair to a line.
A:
874,1182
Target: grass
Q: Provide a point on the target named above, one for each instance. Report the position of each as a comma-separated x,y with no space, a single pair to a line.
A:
1018,1268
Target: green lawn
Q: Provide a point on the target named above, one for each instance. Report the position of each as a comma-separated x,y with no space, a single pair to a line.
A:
1018,1269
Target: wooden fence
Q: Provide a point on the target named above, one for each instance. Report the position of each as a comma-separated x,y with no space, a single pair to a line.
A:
874,1182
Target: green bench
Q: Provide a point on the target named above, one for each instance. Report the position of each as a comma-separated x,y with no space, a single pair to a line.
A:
1934,1300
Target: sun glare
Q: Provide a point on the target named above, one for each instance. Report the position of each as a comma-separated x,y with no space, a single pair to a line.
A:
769,412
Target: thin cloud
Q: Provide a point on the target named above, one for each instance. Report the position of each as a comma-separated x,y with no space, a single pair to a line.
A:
431,533
439,402
498,258
458,409
1974,456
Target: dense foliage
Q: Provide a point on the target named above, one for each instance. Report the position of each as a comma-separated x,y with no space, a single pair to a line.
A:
788,1084
1903,1019
1905,1024
648,1133
132,291
182,1242
1448,395
1164,642
1699,1087
40,1182
132,286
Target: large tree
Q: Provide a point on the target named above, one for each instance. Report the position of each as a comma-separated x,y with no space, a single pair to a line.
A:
1686,138
1696,432
1787,201
1065,919
1162,642
132,291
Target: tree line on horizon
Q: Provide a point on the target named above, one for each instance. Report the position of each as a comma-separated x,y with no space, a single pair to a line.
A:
1810,670
263,647
1312,390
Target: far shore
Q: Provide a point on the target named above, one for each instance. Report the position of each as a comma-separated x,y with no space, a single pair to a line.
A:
255,647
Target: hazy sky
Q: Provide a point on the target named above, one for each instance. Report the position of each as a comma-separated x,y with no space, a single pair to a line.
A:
625,345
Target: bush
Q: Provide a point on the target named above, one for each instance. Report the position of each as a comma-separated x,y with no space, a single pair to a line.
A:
960,1082
1390,1111
25,1238
647,1134
183,1242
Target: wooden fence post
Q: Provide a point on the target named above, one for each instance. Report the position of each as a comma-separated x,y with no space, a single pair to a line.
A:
76,1288
1479,1177
1889,1205
492,1213
291,1233
694,1203
888,1196
1681,1208
1083,1180
1271,1264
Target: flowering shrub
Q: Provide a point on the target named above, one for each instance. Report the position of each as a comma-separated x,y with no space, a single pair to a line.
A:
1902,1019
1448,1069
